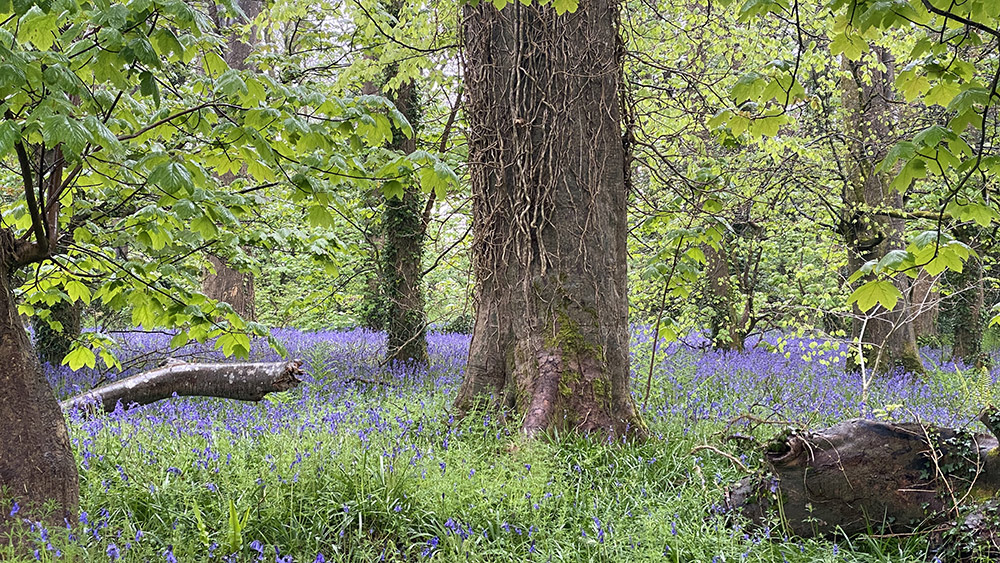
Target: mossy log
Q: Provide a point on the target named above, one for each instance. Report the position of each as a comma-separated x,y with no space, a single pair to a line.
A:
863,476
240,381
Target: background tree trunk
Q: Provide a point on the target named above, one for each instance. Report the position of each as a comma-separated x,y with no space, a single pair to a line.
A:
36,462
227,283
547,165
966,303
232,286
53,343
403,227
887,337
725,328
925,300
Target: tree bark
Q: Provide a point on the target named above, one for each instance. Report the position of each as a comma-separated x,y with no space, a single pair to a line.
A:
240,381
725,326
925,300
406,321
226,283
36,462
863,476
887,337
966,303
547,165
232,286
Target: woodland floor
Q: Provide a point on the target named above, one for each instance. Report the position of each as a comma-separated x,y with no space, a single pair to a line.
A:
365,463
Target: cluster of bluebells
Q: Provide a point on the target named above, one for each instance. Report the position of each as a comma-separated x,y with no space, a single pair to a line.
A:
797,379
408,433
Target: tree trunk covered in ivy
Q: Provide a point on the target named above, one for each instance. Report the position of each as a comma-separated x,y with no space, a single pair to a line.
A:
547,165
54,336
887,337
725,325
36,462
966,303
402,255
225,283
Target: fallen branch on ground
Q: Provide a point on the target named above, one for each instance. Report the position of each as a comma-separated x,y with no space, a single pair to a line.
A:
240,381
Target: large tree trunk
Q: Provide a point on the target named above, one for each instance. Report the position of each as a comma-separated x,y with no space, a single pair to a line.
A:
240,381
226,283
863,476
887,337
547,164
406,321
36,462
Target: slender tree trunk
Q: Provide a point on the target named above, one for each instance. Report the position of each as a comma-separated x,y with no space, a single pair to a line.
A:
547,164
966,304
726,330
406,321
36,462
227,283
925,301
887,337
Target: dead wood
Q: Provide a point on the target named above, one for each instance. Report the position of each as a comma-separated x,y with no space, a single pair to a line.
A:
864,476
240,381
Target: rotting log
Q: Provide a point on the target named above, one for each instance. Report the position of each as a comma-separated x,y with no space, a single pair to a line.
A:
240,381
864,476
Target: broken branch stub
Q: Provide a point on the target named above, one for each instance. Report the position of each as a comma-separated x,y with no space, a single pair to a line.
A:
240,381
867,476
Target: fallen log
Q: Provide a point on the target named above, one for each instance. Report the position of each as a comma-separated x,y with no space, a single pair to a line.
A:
240,381
863,476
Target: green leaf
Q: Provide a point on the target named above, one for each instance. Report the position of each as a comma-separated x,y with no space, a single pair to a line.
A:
79,357
932,136
319,216
563,6
230,83
852,46
942,93
38,28
101,135
393,189
205,227
172,177
59,129
214,64
913,87
149,87
10,134
77,291
892,260
876,292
